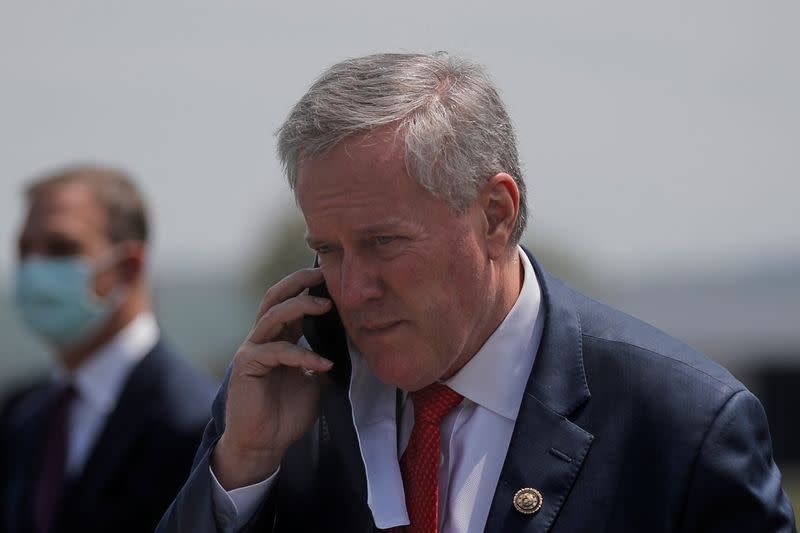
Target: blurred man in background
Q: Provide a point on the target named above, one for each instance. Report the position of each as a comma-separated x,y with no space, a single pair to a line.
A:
105,441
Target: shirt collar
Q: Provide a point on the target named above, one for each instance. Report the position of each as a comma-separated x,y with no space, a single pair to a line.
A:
99,380
507,355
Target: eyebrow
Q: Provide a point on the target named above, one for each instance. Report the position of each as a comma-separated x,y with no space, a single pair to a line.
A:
390,225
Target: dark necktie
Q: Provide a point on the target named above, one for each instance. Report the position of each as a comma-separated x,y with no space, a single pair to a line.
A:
54,459
420,462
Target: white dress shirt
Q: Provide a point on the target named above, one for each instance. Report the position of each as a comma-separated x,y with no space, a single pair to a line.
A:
98,383
474,436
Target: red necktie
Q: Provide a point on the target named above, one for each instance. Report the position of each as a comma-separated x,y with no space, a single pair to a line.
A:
51,478
420,462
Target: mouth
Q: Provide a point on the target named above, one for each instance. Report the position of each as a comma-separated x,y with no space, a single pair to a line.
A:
379,327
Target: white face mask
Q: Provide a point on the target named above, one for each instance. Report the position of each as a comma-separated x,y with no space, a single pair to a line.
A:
54,296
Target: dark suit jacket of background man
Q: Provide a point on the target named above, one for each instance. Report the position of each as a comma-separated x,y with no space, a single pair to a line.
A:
621,428
138,463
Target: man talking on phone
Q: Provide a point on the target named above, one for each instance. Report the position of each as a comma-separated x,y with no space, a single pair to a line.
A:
464,389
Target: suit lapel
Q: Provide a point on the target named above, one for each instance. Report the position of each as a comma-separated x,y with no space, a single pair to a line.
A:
546,449
545,453
28,430
122,428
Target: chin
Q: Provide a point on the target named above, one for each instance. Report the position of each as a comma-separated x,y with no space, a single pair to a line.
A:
392,368
400,374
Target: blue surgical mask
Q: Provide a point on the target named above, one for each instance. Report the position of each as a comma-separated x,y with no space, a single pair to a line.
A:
55,299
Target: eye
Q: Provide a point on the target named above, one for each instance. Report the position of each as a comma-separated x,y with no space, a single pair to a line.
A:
324,249
384,239
61,247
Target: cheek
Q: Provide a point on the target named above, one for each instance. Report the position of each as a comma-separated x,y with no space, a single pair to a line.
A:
460,296
444,301
103,283
331,280
331,274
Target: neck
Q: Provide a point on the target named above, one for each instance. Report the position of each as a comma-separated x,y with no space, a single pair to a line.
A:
502,292
507,288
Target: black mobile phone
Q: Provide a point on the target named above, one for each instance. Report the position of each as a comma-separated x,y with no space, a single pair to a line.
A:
325,334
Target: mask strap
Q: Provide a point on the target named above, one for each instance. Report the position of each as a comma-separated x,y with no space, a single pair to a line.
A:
113,300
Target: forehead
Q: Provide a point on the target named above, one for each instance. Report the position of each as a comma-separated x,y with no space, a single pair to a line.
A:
369,164
364,177
380,151
67,208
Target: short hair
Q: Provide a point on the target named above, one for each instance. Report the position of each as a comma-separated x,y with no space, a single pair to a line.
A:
456,131
113,189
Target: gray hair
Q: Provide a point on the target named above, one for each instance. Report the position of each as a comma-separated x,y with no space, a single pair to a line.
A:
456,131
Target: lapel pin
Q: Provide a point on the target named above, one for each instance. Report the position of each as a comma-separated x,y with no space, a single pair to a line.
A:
528,500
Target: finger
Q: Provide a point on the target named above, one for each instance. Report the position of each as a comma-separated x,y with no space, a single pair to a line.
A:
281,321
290,286
257,360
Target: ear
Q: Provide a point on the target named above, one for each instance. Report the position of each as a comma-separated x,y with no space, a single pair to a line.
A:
500,203
134,257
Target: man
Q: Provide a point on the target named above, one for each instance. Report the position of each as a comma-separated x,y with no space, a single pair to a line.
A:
473,391
106,442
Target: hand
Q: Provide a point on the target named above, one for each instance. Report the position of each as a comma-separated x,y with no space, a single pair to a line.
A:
271,402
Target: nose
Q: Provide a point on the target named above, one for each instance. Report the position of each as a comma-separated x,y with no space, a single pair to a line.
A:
359,281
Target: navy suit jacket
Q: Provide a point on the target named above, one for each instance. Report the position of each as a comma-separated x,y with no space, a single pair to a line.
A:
138,463
621,428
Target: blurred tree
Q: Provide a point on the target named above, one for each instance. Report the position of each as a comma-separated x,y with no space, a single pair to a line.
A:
287,254
563,263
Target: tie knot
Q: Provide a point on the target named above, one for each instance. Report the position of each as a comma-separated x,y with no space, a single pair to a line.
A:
432,403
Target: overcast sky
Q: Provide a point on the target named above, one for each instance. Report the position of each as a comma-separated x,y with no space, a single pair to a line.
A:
655,135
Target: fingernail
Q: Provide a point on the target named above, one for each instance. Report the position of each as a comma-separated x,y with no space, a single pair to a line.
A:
321,301
327,362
